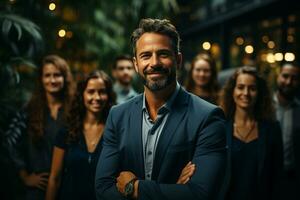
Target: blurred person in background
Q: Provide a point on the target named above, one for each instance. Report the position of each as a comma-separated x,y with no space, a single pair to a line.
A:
202,78
123,72
288,114
32,132
253,137
78,147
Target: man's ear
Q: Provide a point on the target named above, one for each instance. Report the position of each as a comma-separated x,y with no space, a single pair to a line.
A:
135,64
179,60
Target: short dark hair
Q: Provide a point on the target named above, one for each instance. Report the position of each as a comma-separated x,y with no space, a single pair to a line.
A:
160,26
121,57
294,63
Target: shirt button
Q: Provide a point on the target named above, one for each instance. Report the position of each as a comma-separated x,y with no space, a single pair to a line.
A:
148,175
149,152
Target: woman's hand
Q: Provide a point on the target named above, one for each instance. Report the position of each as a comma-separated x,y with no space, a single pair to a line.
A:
37,180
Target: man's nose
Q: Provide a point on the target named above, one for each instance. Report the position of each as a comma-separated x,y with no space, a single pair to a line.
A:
154,60
288,80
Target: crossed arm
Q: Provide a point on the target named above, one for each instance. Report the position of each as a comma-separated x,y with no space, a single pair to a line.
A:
126,176
210,156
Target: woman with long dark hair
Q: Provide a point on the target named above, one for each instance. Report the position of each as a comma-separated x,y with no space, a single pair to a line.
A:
31,139
254,137
78,147
202,78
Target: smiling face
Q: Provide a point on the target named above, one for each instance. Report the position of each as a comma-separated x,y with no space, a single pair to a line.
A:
245,92
156,61
288,81
201,73
95,96
52,79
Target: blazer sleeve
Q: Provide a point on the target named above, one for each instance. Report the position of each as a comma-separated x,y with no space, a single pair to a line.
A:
210,159
108,164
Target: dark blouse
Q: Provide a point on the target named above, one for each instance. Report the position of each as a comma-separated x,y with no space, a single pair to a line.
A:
244,170
78,178
35,158
254,169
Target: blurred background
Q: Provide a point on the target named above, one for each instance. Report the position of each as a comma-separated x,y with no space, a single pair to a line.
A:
89,34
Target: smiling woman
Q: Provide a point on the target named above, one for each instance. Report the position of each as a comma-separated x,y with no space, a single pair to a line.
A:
253,137
52,78
35,128
202,78
77,149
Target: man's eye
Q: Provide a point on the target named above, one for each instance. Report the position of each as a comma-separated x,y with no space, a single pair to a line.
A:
145,56
285,76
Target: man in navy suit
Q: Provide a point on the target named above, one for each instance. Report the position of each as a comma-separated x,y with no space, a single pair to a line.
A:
150,139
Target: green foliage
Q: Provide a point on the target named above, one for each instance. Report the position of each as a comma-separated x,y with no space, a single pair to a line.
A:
102,29
20,39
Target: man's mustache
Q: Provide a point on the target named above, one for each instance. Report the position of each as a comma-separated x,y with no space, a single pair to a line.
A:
153,70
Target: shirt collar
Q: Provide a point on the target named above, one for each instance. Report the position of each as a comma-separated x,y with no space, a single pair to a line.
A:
167,106
294,102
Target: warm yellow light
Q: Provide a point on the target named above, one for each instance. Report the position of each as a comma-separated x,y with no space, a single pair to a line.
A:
249,49
278,56
289,57
239,41
290,38
206,45
270,58
271,44
61,33
265,38
52,6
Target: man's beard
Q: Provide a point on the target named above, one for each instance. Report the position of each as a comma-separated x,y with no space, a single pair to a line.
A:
288,93
156,85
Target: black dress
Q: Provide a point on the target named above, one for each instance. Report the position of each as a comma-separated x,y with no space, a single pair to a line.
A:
244,170
33,157
254,169
78,177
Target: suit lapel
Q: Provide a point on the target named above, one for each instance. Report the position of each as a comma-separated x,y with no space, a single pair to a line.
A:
175,117
136,139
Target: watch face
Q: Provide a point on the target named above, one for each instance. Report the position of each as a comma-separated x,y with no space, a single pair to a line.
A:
128,189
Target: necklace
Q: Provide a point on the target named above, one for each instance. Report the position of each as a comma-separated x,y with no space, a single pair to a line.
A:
93,141
92,137
245,136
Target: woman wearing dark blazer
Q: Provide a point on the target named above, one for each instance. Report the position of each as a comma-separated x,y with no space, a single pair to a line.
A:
253,136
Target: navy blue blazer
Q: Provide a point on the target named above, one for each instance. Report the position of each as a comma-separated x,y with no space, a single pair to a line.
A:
270,158
194,131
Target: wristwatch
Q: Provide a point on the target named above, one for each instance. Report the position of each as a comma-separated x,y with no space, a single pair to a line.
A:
129,188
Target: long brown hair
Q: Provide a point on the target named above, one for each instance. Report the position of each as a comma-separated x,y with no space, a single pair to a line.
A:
77,112
212,85
37,106
263,108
